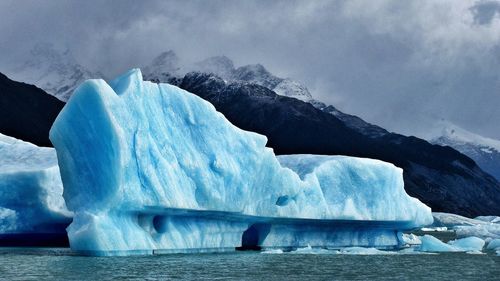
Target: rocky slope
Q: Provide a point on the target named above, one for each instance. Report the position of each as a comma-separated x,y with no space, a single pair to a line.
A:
27,112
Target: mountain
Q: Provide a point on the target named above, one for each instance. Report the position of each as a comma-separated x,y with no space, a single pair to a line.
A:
56,72
222,66
166,67
441,177
352,121
27,112
484,151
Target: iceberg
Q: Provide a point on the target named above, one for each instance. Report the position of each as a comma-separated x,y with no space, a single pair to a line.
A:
485,227
432,244
494,245
150,168
469,244
492,219
32,208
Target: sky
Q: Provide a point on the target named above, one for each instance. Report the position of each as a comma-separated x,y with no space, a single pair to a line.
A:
404,65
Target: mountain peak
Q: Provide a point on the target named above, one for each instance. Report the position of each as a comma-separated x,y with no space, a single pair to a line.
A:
253,70
460,135
484,151
52,69
220,65
258,74
167,59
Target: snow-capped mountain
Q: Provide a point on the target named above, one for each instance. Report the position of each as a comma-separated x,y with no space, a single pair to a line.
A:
293,89
257,74
54,71
222,66
163,68
166,68
484,151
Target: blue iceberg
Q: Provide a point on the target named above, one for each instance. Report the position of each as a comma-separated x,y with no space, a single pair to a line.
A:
32,207
150,168
471,244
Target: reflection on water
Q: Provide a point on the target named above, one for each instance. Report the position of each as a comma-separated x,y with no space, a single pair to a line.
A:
60,264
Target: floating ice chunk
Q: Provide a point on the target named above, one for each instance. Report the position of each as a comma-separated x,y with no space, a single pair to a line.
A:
484,231
451,220
273,251
30,189
409,239
364,251
474,253
468,244
149,167
437,229
311,250
432,244
493,244
466,227
492,219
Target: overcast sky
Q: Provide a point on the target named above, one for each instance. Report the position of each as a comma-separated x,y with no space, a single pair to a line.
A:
400,64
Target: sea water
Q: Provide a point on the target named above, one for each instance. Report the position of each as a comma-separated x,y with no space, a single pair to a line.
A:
61,264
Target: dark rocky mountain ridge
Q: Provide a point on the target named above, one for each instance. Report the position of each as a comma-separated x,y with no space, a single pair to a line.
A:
27,112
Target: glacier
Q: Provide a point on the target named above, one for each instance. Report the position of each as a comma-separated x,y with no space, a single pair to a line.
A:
32,208
150,168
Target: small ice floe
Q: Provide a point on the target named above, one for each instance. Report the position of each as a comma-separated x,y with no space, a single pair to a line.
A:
484,227
475,253
311,250
272,251
432,244
469,244
491,219
364,251
494,245
409,239
438,228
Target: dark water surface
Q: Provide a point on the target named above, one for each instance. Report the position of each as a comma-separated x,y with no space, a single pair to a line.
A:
60,264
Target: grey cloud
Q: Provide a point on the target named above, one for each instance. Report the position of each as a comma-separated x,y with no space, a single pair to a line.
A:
400,64
485,11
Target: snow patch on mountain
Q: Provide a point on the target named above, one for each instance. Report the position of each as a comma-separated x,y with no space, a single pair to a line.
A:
219,65
167,68
484,151
57,72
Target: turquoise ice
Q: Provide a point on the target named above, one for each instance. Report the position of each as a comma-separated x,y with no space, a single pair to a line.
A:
30,189
469,244
152,168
